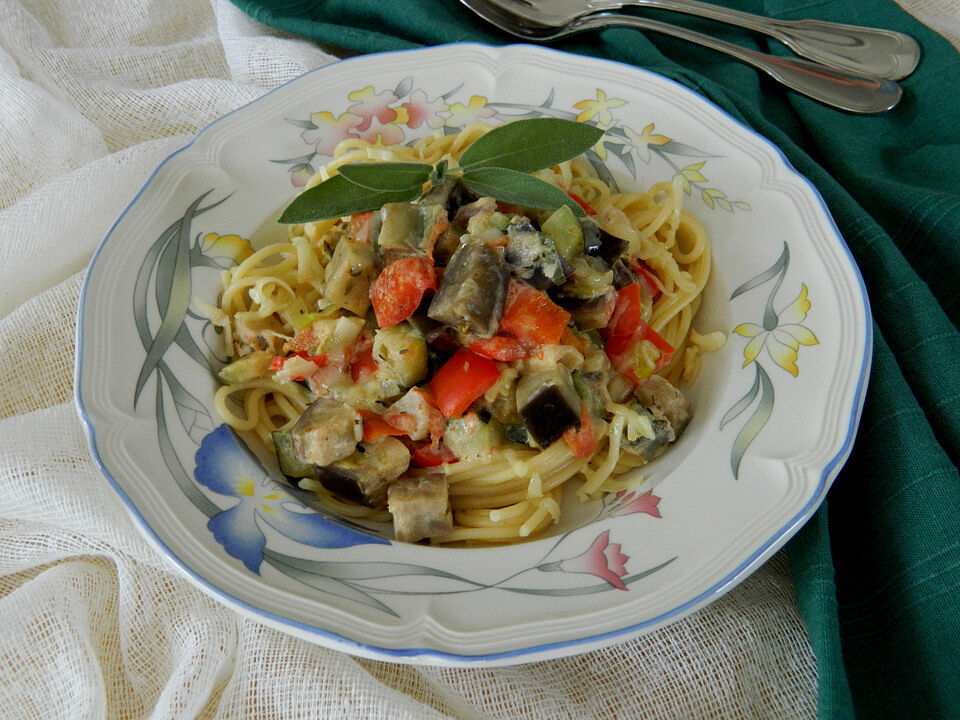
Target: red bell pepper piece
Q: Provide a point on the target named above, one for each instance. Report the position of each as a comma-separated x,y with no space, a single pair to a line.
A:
430,455
580,201
627,355
628,313
398,290
582,440
461,380
375,426
504,348
647,277
531,316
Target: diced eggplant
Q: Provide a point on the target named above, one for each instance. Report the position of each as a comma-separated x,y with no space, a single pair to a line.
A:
451,195
289,464
531,256
326,432
420,507
601,244
349,274
416,415
447,245
517,434
401,354
548,403
623,275
592,313
474,287
364,475
407,229
649,448
664,400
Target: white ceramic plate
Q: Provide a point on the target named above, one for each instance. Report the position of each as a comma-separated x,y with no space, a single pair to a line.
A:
775,411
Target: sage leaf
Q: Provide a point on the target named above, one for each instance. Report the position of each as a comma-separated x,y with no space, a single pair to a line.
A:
529,145
338,197
386,176
517,188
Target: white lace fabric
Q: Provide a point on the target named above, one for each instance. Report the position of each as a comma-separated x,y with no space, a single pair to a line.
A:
95,623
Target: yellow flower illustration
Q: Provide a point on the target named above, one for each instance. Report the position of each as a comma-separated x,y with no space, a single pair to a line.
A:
599,108
476,109
644,140
232,247
784,339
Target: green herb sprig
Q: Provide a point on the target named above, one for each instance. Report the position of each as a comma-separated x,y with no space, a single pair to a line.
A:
496,164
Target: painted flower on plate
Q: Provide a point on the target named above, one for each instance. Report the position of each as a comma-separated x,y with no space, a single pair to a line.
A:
227,467
231,247
630,503
420,110
330,131
370,105
377,133
784,338
599,108
602,559
476,109
643,140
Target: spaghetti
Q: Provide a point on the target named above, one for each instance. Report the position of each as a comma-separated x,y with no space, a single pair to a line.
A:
512,491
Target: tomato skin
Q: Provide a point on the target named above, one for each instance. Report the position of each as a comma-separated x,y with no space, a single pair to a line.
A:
531,316
580,201
276,365
625,356
375,426
399,288
583,440
461,380
363,366
427,456
628,313
360,226
504,348
646,276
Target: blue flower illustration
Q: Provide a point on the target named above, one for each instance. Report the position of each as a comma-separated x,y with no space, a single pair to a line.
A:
226,466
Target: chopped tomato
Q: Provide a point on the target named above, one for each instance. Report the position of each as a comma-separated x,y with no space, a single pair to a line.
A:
531,316
429,455
580,201
375,426
360,227
648,278
638,356
363,366
303,340
582,440
504,348
398,290
461,380
628,313
508,209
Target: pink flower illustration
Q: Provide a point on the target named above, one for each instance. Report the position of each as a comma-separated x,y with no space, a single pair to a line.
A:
601,559
381,134
420,110
300,177
330,131
630,503
370,105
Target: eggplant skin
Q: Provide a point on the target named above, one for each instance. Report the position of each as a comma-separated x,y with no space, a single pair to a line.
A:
473,290
601,244
548,415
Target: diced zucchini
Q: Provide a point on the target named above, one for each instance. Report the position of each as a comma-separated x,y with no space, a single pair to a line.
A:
587,385
249,367
401,354
289,464
364,475
409,230
590,278
471,439
349,274
564,229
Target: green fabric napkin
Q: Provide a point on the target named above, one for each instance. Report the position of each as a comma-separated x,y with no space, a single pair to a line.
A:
877,569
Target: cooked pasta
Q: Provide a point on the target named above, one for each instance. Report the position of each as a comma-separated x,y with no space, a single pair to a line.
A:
511,490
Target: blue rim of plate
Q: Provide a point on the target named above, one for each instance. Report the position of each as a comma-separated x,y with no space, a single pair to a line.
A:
770,546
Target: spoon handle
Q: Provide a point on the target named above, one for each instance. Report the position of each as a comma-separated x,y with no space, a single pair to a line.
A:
862,50
828,85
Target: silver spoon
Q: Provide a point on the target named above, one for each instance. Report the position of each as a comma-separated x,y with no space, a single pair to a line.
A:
832,87
874,52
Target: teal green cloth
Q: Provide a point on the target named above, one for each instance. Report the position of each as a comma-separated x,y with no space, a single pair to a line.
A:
877,570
